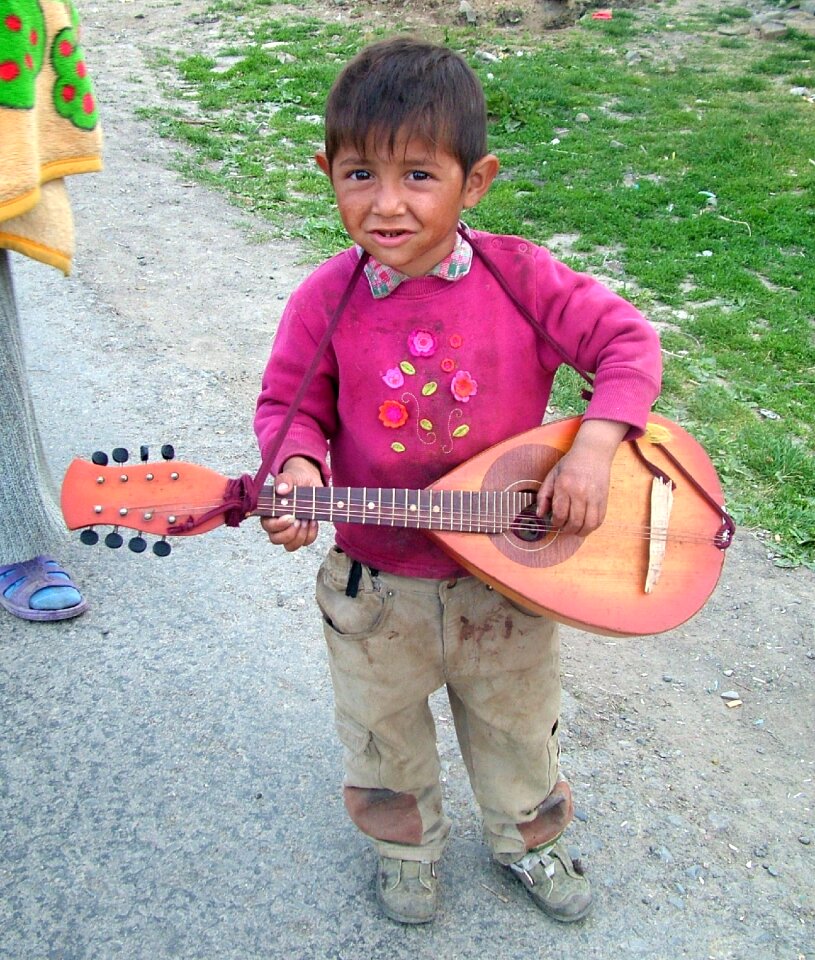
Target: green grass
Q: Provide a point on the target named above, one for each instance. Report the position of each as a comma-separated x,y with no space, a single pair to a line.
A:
661,145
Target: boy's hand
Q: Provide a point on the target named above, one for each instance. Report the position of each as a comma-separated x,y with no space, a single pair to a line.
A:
575,491
286,531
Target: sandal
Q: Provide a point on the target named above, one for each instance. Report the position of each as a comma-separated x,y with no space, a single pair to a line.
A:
19,582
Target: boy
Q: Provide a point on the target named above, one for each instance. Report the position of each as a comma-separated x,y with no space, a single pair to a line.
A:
431,361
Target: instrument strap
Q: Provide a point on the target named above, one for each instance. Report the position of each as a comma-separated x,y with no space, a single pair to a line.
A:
724,537
525,312
268,458
242,493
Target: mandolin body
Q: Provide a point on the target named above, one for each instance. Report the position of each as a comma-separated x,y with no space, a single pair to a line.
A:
597,583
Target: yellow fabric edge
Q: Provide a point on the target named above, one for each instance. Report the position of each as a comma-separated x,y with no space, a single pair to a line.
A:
19,205
64,168
37,251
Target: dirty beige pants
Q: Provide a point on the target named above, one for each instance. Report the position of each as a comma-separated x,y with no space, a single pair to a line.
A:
394,644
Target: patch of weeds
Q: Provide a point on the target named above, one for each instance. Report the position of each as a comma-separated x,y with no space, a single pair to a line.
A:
567,392
731,14
732,43
623,26
790,53
748,84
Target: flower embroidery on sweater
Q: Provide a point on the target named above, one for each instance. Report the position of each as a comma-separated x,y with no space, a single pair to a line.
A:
421,343
393,414
416,404
464,386
394,378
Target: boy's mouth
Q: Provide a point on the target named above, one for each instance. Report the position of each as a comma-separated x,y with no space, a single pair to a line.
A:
387,238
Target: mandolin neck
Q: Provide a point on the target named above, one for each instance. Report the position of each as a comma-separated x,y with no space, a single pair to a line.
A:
470,511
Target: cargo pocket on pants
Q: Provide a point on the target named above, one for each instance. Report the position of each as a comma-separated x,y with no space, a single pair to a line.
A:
360,756
351,618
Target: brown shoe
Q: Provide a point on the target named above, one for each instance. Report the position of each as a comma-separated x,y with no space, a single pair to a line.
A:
407,890
554,882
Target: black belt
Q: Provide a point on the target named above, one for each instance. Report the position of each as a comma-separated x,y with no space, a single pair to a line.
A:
354,576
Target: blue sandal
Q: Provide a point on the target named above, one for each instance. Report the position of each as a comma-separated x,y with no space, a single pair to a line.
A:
21,582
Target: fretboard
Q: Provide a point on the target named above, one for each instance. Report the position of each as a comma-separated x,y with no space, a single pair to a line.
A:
471,511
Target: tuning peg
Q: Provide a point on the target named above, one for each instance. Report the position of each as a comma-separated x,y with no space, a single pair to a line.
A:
89,537
168,451
120,455
114,540
161,548
137,544
100,458
144,453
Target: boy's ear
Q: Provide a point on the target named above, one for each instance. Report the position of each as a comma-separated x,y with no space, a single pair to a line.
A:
480,178
322,162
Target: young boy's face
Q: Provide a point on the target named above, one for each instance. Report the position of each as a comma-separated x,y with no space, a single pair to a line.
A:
404,207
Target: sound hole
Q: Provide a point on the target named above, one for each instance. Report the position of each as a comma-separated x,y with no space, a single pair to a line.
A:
529,527
530,542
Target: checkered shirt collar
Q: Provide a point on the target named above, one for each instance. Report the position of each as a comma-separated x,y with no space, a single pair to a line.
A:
383,280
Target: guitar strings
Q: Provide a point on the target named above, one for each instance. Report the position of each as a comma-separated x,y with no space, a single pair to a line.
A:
424,518
356,513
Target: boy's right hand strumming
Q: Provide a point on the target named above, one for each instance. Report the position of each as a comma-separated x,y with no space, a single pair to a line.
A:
286,531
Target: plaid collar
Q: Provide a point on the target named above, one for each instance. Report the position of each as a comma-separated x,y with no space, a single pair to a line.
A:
383,280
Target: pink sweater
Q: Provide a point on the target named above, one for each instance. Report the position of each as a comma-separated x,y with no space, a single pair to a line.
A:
415,383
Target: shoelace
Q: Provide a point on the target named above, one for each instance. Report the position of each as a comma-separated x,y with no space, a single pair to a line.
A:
538,857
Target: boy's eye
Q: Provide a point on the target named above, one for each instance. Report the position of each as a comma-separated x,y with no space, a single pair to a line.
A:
419,175
359,175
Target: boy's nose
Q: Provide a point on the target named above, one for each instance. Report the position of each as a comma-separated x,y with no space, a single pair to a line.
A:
388,200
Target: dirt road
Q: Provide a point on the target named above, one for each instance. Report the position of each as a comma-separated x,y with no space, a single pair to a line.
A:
170,773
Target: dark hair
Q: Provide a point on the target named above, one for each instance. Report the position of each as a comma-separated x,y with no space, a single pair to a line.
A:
405,86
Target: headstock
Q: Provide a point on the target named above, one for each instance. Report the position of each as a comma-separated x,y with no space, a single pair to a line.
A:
150,498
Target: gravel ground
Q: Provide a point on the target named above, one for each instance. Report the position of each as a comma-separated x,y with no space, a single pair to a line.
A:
170,775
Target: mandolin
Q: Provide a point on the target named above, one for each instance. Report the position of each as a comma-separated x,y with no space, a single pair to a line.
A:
651,566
